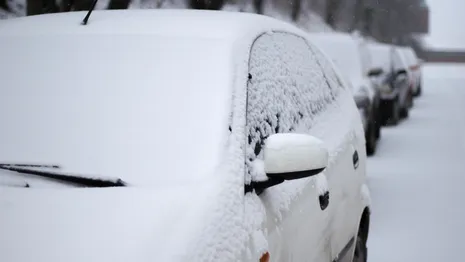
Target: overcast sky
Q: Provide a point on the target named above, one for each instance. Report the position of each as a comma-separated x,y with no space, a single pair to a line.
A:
447,23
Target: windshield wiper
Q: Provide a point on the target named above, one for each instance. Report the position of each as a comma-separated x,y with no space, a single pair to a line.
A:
64,177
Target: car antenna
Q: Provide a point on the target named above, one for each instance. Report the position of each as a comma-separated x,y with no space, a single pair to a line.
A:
92,6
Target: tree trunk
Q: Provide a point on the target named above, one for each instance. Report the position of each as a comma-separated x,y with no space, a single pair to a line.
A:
82,5
118,4
332,8
34,7
4,6
358,13
206,4
258,5
296,5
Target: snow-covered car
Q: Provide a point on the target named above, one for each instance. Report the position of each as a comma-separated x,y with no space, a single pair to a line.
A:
178,135
401,59
415,69
351,56
391,82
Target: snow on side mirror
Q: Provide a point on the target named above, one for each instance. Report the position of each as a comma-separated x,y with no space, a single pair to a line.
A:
401,72
375,72
291,156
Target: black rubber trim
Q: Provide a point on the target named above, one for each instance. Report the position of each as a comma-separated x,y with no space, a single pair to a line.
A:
345,251
296,175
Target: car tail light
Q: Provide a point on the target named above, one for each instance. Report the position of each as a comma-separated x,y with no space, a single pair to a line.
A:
265,257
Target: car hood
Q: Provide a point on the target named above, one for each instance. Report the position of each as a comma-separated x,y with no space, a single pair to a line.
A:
110,224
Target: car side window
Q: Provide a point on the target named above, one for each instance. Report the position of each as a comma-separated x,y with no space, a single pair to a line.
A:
334,81
286,90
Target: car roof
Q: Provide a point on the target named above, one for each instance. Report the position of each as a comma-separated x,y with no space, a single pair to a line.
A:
380,54
195,23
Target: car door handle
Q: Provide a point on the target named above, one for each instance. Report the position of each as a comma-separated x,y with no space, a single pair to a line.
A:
324,200
355,159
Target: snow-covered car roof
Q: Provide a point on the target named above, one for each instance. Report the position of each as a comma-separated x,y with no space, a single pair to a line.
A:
159,71
380,55
210,24
344,50
410,55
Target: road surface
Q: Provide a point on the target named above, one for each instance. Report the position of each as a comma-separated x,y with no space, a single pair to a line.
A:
417,177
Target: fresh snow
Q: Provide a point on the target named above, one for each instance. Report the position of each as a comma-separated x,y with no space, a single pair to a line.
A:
153,94
417,177
130,116
291,153
348,54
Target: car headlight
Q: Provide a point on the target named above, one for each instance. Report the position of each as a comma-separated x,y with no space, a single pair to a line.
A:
385,88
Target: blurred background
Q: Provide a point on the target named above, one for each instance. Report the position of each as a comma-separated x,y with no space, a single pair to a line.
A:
401,22
431,27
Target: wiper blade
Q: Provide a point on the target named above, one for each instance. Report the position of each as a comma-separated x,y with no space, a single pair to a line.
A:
64,177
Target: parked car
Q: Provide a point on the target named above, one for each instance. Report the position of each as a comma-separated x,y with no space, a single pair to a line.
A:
392,82
415,69
411,78
350,54
176,135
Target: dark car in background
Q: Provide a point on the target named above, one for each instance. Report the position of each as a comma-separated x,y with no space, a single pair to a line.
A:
392,80
350,54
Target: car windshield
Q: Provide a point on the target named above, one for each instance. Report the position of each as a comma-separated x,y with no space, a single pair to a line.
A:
145,109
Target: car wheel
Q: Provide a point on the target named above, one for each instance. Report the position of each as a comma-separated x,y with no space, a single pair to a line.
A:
360,254
410,100
371,139
378,124
394,116
418,91
403,112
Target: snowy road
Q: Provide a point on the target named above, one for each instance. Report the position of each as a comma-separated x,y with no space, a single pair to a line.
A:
417,178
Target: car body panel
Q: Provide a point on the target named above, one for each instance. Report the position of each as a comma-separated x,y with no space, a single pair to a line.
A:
224,224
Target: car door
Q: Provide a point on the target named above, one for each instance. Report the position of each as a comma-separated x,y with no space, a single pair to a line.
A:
288,92
348,175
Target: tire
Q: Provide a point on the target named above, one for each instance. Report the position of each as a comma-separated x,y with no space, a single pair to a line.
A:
410,100
361,251
371,139
394,114
378,123
418,91
403,112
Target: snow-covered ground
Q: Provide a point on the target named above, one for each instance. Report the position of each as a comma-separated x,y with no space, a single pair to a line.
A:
417,178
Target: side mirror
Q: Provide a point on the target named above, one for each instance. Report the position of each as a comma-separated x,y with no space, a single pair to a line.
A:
290,156
401,72
375,72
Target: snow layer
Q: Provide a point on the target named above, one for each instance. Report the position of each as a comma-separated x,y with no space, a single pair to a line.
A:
108,122
236,225
417,176
292,152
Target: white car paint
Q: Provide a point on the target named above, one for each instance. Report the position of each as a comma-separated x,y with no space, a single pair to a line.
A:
414,67
110,121
351,55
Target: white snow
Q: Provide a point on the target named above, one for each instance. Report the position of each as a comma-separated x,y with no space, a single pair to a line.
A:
294,152
417,177
446,18
134,115
118,224
380,56
346,53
